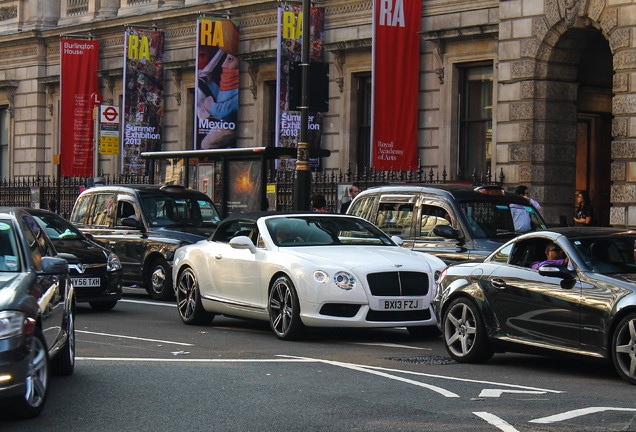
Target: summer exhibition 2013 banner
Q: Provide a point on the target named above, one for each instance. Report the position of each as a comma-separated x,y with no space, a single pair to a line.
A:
217,93
395,82
290,34
142,127
79,62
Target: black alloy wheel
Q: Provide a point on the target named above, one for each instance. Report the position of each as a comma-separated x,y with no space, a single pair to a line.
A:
284,310
189,304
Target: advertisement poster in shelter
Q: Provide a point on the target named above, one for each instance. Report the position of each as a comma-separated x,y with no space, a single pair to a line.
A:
217,91
395,83
244,186
142,127
79,62
290,34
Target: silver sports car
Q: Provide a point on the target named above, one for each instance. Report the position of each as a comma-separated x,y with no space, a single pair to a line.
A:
565,289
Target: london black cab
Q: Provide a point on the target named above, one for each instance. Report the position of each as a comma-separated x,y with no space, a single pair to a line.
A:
453,222
144,225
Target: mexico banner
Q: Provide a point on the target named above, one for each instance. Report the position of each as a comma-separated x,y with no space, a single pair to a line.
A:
142,127
79,60
395,78
217,93
290,34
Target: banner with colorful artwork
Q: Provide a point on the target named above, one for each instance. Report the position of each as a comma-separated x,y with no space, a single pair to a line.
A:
142,128
79,62
290,33
396,60
217,93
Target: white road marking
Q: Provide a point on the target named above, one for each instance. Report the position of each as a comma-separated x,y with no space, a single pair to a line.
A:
577,413
498,392
391,345
133,337
465,379
363,368
190,360
496,421
148,302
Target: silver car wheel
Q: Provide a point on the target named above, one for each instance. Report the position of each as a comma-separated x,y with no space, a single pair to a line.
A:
281,307
187,295
158,279
625,348
284,310
460,329
37,379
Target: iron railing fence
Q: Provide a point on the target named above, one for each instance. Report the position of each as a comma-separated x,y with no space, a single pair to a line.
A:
27,191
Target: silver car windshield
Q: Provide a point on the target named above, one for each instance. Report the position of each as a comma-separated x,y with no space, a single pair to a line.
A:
9,261
324,231
163,211
608,255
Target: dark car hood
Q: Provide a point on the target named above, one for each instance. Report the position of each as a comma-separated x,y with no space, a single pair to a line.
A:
82,251
190,234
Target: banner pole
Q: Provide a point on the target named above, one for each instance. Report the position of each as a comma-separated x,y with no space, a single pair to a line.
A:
302,185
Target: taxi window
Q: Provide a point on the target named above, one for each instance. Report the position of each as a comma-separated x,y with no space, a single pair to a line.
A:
363,208
103,210
431,216
395,218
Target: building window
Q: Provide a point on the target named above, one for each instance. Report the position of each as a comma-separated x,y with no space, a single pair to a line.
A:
475,122
4,143
363,148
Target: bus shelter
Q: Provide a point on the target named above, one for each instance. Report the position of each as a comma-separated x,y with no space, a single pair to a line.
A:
235,179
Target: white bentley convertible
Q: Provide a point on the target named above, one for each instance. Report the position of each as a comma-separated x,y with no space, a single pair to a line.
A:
298,270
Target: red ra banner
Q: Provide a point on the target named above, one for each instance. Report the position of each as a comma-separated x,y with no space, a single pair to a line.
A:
78,94
396,59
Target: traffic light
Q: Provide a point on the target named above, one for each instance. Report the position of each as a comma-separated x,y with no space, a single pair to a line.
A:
318,87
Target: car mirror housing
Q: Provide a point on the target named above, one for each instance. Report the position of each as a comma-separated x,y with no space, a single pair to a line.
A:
397,240
53,266
243,242
447,231
555,271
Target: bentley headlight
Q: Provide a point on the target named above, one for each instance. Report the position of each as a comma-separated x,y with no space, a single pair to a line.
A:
113,262
344,280
320,276
10,323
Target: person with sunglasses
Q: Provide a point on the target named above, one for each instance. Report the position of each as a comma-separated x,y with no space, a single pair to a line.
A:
554,255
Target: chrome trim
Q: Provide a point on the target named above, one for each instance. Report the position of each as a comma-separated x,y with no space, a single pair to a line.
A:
549,346
233,303
81,268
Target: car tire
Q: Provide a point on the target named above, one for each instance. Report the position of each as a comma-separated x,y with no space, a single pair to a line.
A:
424,332
189,304
284,310
464,332
159,281
32,402
64,362
624,348
103,305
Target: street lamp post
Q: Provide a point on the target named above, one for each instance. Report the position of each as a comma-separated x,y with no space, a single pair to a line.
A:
302,186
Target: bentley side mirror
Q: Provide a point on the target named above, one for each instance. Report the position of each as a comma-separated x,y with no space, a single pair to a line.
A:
243,242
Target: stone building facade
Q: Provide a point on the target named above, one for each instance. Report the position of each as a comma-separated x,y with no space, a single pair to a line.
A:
541,90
